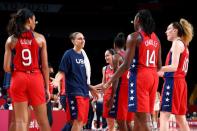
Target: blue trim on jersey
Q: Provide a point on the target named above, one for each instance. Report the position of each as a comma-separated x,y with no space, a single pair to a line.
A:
73,107
132,99
167,95
169,74
72,64
12,59
39,57
6,80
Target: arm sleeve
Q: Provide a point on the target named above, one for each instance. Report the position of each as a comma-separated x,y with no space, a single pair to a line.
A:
65,63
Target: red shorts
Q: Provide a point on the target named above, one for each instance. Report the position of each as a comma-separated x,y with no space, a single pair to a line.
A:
27,87
122,111
106,97
78,108
147,84
174,96
142,90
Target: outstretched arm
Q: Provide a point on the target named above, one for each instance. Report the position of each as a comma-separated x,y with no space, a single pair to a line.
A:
58,77
131,43
116,64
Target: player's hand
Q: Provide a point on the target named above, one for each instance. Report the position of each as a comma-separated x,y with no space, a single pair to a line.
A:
94,92
55,83
48,96
106,86
160,73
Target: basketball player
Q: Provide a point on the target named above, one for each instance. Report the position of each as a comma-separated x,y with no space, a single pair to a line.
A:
73,68
28,75
174,95
143,57
118,102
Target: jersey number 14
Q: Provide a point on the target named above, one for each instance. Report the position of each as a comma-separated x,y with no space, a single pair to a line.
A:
150,57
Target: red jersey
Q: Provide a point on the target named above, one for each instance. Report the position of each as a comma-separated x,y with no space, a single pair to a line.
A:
144,65
120,105
183,64
108,73
147,53
124,79
26,57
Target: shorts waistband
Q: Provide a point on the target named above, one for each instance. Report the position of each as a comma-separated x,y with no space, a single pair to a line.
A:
28,71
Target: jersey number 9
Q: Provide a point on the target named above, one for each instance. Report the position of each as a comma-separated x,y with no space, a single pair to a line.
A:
26,56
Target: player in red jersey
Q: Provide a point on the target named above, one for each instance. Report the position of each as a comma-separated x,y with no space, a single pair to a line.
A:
107,71
174,94
118,102
143,57
28,75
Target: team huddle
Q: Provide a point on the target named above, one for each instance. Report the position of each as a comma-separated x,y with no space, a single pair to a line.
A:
129,84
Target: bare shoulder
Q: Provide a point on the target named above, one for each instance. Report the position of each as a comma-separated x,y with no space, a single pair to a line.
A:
39,38
104,67
11,41
135,36
178,45
134,39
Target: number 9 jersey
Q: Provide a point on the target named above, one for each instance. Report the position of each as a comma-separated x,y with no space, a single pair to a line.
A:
26,53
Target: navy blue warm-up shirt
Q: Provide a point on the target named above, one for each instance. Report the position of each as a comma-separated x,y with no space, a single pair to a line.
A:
72,64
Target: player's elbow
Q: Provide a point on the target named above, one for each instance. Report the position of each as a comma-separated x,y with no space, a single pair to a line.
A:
6,68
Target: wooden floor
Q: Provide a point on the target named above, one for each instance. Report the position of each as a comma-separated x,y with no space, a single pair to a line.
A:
172,126
171,129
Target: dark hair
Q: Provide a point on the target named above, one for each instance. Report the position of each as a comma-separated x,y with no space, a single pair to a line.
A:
179,27
120,40
146,21
17,21
111,51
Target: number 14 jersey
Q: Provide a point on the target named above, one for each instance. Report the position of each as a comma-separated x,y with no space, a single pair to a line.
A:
143,78
146,55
